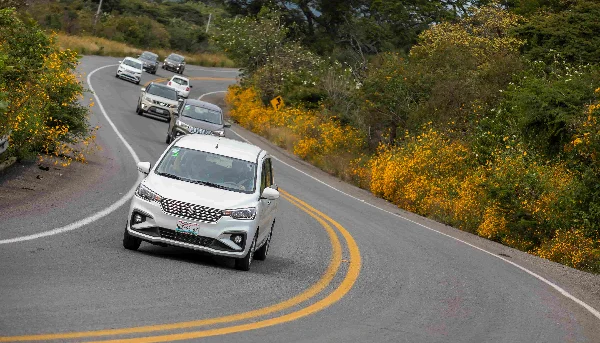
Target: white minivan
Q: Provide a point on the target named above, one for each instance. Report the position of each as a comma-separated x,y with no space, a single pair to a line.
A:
206,193
130,69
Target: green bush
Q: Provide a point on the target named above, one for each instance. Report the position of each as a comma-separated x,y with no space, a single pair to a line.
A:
571,33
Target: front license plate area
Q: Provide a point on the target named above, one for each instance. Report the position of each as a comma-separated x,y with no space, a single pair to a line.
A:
187,227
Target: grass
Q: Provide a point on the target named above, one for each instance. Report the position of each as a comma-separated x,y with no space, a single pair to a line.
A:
90,45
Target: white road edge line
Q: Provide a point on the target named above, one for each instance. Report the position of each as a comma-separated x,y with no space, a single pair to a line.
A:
539,277
98,215
202,96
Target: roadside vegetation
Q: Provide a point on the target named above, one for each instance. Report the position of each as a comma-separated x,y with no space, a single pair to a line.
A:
40,95
482,117
90,45
125,28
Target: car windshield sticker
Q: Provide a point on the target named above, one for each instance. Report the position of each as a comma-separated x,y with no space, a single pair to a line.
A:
175,152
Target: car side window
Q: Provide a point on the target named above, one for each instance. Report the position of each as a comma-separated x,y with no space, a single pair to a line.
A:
269,170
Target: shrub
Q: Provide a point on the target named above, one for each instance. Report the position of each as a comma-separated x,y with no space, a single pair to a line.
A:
43,112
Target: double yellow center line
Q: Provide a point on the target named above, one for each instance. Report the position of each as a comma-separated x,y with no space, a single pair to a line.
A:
342,289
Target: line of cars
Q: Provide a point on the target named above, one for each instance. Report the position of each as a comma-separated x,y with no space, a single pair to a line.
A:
206,192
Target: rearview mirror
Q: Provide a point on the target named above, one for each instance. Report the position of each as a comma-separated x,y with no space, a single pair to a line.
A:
270,194
144,167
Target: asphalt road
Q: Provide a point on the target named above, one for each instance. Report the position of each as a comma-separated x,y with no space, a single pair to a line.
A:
408,279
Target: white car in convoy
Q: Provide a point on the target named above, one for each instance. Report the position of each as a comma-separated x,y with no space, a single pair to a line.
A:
130,69
206,193
181,85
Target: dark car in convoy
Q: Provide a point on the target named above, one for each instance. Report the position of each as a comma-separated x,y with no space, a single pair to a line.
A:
150,60
174,63
196,117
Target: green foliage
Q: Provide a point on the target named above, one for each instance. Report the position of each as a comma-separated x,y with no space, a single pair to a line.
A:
389,96
570,34
252,41
40,91
542,107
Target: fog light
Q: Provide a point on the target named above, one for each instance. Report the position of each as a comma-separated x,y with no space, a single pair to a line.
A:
237,239
138,218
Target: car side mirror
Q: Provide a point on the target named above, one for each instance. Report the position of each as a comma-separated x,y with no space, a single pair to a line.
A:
144,167
226,125
270,194
143,89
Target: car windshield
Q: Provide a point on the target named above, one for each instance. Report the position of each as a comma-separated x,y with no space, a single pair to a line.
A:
149,56
179,81
163,92
176,58
201,113
133,64
208,169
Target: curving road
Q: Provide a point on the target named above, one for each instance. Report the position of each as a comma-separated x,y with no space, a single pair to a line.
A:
344,266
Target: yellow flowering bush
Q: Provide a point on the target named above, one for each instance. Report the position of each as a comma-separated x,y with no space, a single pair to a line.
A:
43,114
318,139
572,248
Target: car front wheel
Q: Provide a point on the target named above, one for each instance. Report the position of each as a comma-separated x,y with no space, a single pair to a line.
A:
245,262
130,242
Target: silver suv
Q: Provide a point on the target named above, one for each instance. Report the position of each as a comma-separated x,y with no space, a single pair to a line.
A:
196,116
158,100
206,193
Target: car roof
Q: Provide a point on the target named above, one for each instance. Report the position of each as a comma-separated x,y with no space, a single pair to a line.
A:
173,54
149,52
160,85
221,146
204,104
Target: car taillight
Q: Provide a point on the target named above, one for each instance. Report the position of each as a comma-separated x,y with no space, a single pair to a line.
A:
169,83
187,89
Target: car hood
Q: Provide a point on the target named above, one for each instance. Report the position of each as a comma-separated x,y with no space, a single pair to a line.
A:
173,62
130,69
198,194
161,99
200,123
148,61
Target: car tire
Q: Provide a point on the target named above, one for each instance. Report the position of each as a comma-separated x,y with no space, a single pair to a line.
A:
130,242
168,140
139,110
137,83
261,253
245,262
117,76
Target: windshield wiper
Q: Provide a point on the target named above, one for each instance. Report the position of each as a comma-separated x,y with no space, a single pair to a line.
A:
171,176
206,183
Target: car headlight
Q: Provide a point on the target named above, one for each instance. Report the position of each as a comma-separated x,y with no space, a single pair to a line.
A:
184,125
147,194
173,106
241,213
147,99
220,133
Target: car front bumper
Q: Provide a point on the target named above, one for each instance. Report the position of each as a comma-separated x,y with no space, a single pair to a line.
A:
150,68
156,109
172,67
127,76
214,238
